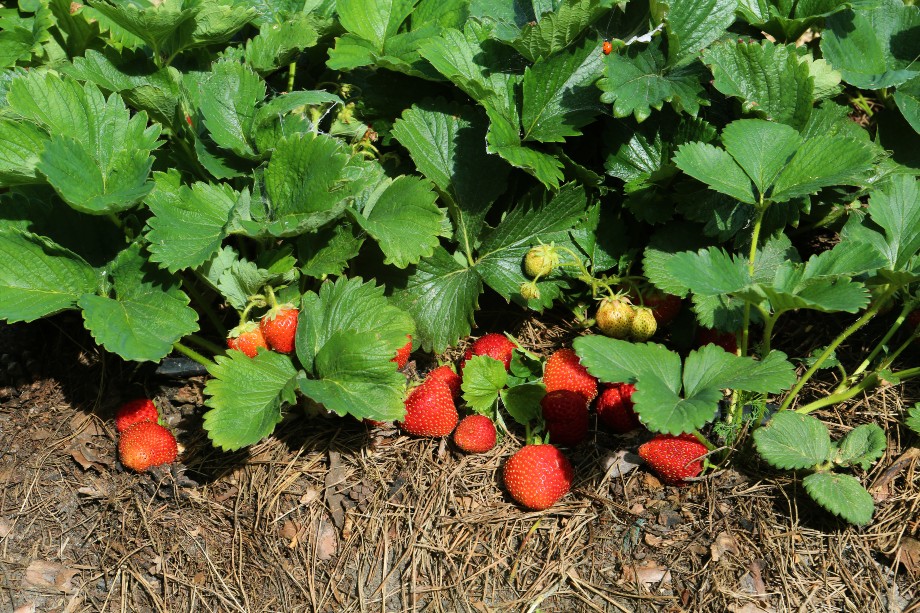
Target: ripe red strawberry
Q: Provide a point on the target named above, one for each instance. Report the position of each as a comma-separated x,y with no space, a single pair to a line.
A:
247,338
537,476
566,415
674,458
615,407
475,434
446,375
146,444
493,345
563,371
279,327
665,307
430,410
135,411
725,340
614,318
644,325
402,354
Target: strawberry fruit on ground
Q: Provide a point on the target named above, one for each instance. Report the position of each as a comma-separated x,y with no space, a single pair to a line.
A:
402,354
494,345
146,444
537,476
614,318
615,407
475,434
279,327
446,375
430,410
566,415
135,411
725,340
674,458
563,371
247,337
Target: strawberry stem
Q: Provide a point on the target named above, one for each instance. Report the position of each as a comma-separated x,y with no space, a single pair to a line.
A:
193,355
205,344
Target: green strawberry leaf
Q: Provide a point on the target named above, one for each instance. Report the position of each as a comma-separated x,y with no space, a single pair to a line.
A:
236,278
768,78
913,418
716,168
347,335
446,144
504,140
637,81
147,314
189,223
278,44
441,294
21,146
39,277
523,402
874,47
401,215
483,378
246,395
660,378
842,495
559,94
907,97
556,30
328,250
895,208
691,25
228,104
862,446
792,441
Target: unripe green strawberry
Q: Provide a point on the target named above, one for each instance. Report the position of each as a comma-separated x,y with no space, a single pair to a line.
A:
133,412
614,318
146,444
247,337
643,325
537,476
674,458
475,434
279,327
430,410
540,261
530,291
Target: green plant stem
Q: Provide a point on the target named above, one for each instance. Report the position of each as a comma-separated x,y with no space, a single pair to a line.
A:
205,344
768,322
859,323
703,440
292,72
870,381
887,362
908,307
204,306
755,238
192,354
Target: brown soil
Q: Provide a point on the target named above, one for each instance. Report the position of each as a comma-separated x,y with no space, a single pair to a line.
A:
329,515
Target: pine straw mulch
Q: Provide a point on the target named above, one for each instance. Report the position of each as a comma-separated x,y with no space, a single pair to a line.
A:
330,515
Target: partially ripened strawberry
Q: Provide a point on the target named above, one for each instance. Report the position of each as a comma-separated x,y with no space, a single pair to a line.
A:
566,415
643,325
494,345
665,307
537,476
674,458
146,444
135,411
563,371
725,340
247,337
430,410
402,354
614,318
475,434
615,407
279,327
446,375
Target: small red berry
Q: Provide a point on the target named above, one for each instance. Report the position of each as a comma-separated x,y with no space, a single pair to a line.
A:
135,411
537,476
566,415
475,434
725,340
674,458
494,345
402,354
446,375
146,444
615,407
563,371
247,337
430,410
279,327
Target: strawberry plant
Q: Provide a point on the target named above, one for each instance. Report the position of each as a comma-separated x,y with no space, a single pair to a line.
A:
287,192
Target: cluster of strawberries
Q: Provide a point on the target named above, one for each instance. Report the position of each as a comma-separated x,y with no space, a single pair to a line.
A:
539,474
143,442
276,330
